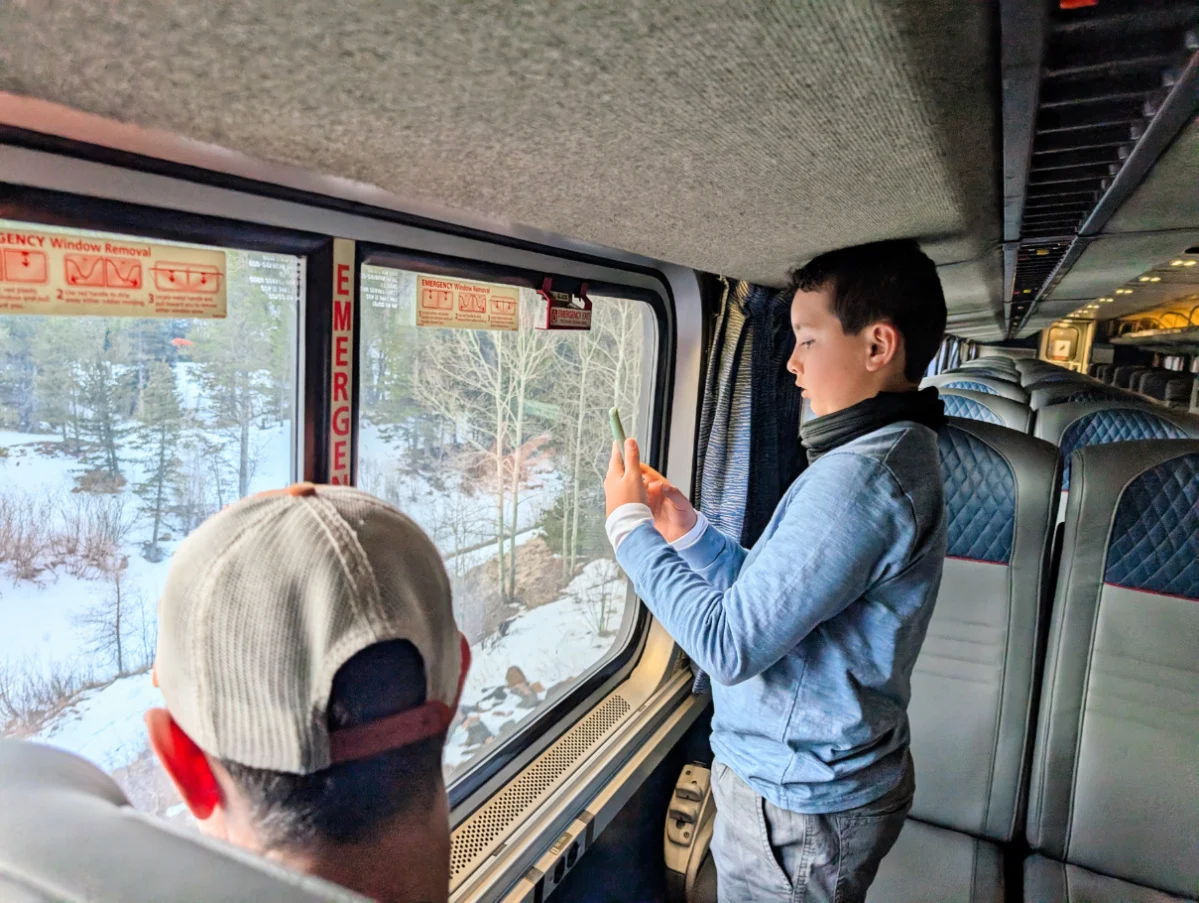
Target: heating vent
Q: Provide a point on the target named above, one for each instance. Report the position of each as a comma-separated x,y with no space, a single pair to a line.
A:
478,836
1035,262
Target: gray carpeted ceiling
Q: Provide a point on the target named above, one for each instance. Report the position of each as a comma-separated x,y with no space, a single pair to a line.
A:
734,137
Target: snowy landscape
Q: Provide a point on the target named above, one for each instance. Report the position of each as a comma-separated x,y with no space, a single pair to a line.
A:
119,436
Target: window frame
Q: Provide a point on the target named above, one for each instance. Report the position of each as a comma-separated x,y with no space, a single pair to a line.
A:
71,211
551,722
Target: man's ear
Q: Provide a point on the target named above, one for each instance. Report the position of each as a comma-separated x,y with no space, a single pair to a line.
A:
185,764
884,344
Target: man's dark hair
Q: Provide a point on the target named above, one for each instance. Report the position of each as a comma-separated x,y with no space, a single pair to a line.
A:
886,280
348,802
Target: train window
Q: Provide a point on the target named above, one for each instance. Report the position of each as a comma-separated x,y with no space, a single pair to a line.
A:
496,442
118,436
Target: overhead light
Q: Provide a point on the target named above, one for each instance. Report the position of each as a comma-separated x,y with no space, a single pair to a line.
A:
1143,279
1189,263
1123,291
1177,263
1106,300
1155,278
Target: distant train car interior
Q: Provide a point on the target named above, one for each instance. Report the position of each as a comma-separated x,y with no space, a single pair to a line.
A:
325,573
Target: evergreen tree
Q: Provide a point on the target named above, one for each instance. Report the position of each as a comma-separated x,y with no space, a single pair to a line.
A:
242,366
57,384
159,430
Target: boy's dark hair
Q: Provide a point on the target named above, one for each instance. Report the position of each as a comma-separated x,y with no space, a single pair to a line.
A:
884,280
348,802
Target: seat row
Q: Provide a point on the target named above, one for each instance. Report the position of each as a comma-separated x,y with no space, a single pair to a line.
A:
1064,408
1173,387
1054,715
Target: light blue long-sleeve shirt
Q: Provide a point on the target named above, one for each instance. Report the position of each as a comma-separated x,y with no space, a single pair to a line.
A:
810,637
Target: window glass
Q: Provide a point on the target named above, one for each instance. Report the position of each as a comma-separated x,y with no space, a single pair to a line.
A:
496,443
118,436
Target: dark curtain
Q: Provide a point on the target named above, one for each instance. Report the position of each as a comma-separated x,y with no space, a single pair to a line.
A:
749,451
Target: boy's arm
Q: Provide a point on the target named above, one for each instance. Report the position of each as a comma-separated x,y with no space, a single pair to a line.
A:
825,553
711,554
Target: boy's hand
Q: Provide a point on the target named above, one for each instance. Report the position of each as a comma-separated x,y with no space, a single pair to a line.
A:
674,516
623,484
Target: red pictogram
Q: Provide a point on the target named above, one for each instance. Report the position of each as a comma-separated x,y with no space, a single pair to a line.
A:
472,302
102,272
187,277
83,269
437,299
23,266
122,273
503,305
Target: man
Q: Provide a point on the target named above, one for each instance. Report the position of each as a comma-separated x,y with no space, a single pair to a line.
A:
310,665
811,636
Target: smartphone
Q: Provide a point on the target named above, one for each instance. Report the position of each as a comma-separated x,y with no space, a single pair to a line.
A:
617,429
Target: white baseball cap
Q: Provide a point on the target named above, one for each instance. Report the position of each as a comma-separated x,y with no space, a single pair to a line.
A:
267,600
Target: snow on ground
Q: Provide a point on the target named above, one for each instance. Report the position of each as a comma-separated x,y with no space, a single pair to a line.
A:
39,616
550,644
105,725
473,512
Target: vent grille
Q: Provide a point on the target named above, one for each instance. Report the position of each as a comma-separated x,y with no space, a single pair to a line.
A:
1035,263
1106,71
478,836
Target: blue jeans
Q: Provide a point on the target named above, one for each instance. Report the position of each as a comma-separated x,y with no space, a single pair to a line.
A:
766,853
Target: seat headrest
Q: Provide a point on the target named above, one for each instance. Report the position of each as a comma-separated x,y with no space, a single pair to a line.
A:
1074,426
975,382
67,833
985,408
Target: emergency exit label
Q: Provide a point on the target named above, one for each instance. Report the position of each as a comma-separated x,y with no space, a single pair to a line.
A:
461,304
56,273
340,424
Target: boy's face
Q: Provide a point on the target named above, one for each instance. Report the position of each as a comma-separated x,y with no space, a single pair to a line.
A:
836,370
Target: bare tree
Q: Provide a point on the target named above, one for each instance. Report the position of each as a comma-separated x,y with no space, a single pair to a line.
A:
485,379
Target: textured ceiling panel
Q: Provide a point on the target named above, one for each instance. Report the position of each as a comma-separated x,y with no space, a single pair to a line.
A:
1169,196
732,137
1113,260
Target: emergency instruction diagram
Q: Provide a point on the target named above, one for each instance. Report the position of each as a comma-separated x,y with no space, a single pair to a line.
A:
458,304
56,273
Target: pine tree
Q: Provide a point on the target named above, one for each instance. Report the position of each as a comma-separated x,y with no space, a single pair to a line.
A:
159,430
57,384
242,367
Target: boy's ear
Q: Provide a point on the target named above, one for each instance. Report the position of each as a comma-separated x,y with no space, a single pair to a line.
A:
185,764
884,345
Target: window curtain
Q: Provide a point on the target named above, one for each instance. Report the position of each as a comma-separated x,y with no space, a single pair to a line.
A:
751,412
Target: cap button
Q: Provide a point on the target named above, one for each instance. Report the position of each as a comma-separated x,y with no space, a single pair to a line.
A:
301,489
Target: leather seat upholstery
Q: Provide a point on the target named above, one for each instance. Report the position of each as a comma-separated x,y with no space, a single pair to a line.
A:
68,833
986,408
972,687
1073,426
1154,383
1115,774
974,382
1030,374
1068,393
1178,391
1122,375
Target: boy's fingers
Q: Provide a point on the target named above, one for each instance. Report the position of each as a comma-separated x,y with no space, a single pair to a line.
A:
615,465
632,456
652,474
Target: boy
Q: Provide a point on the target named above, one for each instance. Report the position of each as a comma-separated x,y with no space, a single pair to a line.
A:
310,665
810,637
